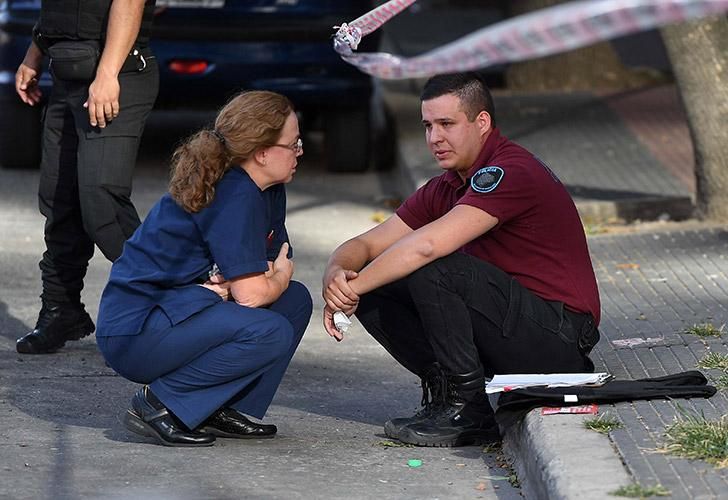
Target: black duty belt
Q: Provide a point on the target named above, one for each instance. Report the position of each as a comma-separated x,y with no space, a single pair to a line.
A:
137,60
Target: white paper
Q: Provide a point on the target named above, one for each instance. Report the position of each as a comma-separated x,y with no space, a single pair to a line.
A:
341,321
501,383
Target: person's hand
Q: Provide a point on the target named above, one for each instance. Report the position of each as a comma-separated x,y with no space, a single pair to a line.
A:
217,278
330,327
26,78
337,292
218,284
283,264
103,100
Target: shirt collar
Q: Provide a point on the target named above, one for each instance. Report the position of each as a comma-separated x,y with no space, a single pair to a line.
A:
239,170
486,153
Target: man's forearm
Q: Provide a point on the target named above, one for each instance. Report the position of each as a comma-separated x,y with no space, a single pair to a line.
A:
398,261
125,17
351,255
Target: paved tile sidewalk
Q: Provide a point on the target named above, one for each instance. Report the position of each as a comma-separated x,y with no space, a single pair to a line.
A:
655,286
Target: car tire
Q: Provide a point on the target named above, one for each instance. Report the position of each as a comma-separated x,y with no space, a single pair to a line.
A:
20,134
347,139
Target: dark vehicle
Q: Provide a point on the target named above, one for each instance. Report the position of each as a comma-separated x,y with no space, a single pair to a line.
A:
210,49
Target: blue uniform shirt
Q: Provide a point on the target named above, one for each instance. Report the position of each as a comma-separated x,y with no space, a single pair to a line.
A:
240,231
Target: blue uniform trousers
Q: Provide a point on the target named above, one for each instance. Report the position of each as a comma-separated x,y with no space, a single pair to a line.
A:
224,356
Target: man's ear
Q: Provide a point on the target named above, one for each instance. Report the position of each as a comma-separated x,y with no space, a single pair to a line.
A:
484,122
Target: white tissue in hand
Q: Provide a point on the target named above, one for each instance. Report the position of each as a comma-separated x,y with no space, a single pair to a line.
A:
341,321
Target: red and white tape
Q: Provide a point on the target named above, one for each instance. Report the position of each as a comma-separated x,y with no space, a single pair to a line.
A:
536,34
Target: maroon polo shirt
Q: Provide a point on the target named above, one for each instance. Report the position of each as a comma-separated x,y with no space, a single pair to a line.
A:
539,238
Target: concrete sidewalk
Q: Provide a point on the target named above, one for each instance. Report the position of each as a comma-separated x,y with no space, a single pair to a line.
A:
625,156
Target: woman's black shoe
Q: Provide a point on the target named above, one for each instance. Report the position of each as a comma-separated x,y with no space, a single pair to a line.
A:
229,423
149,418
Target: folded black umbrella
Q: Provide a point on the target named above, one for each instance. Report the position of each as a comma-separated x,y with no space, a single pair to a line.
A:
513,405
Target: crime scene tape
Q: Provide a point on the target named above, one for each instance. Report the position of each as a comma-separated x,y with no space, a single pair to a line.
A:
540,33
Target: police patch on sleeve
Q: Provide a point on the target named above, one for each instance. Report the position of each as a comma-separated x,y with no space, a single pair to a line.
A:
486,179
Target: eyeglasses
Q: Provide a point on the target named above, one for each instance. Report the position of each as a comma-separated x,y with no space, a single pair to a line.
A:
297,148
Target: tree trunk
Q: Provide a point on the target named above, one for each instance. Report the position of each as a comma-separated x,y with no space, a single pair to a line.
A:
594,67
698,51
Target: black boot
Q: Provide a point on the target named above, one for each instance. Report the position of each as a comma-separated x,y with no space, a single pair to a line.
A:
433,396
229,423
149,417
56,325
466,417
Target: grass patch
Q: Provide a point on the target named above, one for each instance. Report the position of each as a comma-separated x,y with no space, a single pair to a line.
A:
597,225
717,360
638,491
592,228
714,360
705,330
699,438
492,448
603,424
722,382
393,444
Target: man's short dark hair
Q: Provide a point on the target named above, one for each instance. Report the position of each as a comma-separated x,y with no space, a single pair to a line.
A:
468,87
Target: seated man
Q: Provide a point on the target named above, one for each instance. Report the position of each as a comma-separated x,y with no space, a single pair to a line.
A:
484,270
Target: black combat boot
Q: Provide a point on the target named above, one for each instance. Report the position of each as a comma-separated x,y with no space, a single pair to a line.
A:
433,396
466,417
56,325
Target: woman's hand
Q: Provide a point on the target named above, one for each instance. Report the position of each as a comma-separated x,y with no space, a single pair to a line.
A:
283,264
218,284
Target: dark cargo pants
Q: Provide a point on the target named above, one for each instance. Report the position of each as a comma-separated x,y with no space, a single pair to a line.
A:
86,179
466,313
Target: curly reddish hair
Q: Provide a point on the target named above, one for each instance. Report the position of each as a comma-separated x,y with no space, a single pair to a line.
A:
249,121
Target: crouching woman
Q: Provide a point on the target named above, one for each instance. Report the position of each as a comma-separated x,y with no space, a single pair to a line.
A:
200,307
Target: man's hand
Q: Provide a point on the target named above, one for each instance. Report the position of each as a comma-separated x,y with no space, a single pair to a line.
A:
26,78
330,327
337,292
103,99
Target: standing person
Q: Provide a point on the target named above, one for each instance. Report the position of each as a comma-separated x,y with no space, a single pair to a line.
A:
216,348
105,82
484,270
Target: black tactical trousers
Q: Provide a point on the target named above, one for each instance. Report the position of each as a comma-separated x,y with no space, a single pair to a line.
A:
86,179
465,313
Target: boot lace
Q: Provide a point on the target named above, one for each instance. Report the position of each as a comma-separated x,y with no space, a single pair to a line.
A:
434,389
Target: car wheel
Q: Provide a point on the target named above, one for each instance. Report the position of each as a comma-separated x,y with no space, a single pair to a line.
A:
20,133
347,138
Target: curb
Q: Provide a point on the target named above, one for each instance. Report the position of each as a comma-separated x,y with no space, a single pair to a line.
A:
548,453
674,208
415,166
